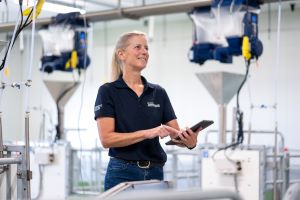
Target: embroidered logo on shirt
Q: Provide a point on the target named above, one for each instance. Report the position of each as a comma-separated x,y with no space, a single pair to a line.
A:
98,107
151,104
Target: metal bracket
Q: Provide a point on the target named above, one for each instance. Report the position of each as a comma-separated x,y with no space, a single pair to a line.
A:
24,174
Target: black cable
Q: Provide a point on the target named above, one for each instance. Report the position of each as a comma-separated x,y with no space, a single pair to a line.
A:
13,40
21,12
240,114
4,59
26,23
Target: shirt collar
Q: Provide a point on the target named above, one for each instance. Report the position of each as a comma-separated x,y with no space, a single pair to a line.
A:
120,83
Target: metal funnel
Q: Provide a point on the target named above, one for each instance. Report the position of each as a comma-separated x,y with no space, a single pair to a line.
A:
61,92
222,86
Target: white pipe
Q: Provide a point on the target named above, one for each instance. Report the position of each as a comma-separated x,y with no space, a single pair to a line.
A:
27,153
275,170
151,28
21,41
32,43
31,58
222,124
277,57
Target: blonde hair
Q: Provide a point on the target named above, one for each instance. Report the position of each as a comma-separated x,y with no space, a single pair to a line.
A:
122,43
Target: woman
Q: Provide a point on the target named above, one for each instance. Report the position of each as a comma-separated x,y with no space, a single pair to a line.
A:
132,114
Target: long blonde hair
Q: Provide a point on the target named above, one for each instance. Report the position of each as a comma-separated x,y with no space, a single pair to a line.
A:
122,43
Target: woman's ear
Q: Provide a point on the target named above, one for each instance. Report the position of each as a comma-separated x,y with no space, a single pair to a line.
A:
121,54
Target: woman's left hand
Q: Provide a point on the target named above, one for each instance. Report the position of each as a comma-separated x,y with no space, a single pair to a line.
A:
188,138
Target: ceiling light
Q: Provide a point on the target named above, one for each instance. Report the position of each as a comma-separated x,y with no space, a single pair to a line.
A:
57,8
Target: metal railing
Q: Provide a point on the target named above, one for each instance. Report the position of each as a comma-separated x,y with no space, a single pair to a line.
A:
14,155
88,174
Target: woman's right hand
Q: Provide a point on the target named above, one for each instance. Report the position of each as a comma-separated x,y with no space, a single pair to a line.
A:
162,131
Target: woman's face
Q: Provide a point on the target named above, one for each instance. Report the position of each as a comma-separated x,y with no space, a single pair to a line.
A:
136,54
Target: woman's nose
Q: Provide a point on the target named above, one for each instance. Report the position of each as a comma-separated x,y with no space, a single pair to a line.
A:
145,50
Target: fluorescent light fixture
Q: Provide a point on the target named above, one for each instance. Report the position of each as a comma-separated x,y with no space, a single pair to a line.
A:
56,8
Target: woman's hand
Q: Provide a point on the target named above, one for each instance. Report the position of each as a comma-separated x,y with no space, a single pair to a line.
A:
162,131
188,138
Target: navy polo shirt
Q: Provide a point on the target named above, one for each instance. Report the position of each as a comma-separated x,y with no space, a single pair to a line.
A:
133,113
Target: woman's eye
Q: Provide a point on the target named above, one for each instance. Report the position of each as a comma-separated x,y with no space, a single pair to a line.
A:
138,47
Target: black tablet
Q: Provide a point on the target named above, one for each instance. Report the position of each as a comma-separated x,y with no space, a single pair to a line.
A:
203,124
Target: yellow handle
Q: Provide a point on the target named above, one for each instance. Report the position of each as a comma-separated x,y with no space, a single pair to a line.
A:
38,8
246,48
74,59
67,65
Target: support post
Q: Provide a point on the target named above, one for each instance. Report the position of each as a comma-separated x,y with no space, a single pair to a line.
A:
222,124
27,156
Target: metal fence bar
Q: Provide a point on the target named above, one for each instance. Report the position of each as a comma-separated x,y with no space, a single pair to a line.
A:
173,169
22,172
7,161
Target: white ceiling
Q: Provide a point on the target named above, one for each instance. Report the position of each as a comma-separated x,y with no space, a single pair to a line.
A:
9,8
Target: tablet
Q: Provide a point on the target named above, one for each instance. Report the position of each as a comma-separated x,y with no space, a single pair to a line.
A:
202,124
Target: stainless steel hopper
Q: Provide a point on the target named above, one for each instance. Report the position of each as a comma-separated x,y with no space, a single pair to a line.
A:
61,91
222,86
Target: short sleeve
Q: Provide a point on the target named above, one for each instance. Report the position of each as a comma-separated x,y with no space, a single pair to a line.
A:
168,111
104,105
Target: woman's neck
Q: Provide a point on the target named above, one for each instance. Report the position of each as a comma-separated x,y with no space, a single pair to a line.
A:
132,78
134,81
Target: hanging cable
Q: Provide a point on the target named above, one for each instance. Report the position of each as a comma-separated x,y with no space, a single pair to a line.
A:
18,28
9,46
81,97
237,165
239,116
6,57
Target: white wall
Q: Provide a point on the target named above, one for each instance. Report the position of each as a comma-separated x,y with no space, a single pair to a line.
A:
170,67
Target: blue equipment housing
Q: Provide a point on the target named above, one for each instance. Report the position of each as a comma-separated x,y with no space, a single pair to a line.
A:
203,51
51,63
251,3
